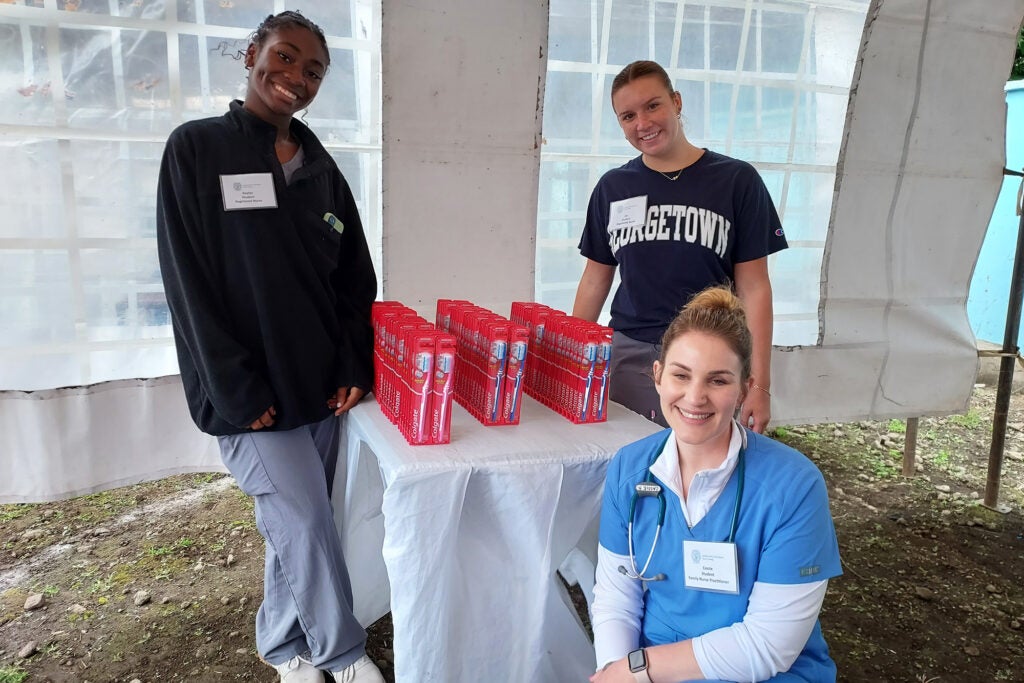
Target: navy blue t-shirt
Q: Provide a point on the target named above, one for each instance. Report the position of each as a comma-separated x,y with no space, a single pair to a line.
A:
678,236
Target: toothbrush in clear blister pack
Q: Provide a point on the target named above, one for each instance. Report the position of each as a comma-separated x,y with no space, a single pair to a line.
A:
589,356
498,350
606,357
518,354
424,366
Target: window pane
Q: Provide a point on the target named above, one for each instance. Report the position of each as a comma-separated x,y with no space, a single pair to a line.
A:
764,82
82,298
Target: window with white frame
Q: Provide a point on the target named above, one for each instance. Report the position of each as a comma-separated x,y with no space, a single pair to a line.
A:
766,81
90,91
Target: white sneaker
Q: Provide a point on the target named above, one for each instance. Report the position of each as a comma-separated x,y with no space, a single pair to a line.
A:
298,670
363,670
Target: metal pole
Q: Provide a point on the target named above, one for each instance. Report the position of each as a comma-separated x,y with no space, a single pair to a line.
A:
1006,363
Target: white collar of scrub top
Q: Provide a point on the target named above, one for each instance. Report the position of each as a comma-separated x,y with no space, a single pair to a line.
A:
707,485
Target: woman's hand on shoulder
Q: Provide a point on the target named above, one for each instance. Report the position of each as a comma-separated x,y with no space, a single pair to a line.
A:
756,411
344,398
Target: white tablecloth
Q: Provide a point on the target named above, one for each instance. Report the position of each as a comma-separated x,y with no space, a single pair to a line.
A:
467,538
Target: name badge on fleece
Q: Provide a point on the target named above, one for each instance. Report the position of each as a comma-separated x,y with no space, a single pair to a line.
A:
711,566
627,213
248,191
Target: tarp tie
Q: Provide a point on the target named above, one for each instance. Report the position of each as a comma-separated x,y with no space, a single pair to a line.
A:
1020,190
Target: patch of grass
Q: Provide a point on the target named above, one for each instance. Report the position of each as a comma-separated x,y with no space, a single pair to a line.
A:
9,513
84,616
970,420
12,674
883,465
102,585
182,543
941,459
244,524
897,426
780,433
110,500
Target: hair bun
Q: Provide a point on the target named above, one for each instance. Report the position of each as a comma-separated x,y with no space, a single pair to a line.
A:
715,298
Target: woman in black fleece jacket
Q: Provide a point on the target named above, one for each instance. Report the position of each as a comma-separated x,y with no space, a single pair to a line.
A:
270,283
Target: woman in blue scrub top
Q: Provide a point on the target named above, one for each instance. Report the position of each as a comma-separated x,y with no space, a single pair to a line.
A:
716,543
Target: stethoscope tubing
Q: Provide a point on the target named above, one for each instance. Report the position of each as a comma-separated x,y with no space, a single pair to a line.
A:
740,471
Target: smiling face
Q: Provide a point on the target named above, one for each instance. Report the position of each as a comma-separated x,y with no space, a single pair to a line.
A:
286,69
700,385
648,114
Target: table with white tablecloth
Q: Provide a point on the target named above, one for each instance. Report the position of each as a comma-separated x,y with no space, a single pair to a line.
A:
462,541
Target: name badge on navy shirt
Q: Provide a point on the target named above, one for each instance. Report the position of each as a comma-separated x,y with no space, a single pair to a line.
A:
627,213
248,191
710,566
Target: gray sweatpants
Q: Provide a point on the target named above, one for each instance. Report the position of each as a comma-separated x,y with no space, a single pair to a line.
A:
632,377
307,597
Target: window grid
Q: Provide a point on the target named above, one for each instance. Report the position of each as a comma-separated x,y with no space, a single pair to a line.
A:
779,115
114,76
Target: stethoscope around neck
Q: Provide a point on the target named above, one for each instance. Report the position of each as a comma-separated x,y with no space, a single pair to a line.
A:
649,488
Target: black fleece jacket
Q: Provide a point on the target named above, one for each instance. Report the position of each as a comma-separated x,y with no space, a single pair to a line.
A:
270,306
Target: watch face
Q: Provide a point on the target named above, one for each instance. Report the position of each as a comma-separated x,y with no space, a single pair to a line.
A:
637,660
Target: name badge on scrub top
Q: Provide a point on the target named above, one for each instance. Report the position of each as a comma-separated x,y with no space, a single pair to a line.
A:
248,191
627,213
711,566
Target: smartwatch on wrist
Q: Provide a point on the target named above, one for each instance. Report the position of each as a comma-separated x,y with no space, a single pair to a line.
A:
637,661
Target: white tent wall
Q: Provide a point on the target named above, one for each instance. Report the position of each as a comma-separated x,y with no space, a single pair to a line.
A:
463,86
919,172
918,177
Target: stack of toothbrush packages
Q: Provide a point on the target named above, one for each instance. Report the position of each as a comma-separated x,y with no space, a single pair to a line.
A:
569,361
490,360
414,365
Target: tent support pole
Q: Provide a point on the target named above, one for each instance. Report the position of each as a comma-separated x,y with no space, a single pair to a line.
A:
1009,355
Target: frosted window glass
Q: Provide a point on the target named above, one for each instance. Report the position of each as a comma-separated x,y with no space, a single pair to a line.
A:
566,22
94,88
32,178
568,113
767,82
25,77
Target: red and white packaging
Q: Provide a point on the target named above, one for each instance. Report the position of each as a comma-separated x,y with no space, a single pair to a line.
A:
413,383
568,365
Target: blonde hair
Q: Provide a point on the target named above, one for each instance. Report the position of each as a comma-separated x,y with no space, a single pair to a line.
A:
718,312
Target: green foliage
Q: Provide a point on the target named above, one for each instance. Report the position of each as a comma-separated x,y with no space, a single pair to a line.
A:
12,674
941,459
897,426
1017,73
11,512
972,420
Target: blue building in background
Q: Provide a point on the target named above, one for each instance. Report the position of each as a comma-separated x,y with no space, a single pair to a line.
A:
990,286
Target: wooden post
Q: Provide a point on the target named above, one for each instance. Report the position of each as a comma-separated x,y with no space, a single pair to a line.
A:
910,447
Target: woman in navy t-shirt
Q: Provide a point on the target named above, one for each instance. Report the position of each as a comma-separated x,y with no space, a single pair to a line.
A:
674,220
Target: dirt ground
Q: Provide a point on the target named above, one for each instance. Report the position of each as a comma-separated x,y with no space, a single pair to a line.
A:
161,581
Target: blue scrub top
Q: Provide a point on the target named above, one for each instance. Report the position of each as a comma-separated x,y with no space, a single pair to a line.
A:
784,535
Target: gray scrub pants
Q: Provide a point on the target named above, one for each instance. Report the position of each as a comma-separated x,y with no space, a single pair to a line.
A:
632,377
307,597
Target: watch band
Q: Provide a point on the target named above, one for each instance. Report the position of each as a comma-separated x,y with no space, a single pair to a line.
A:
641,676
